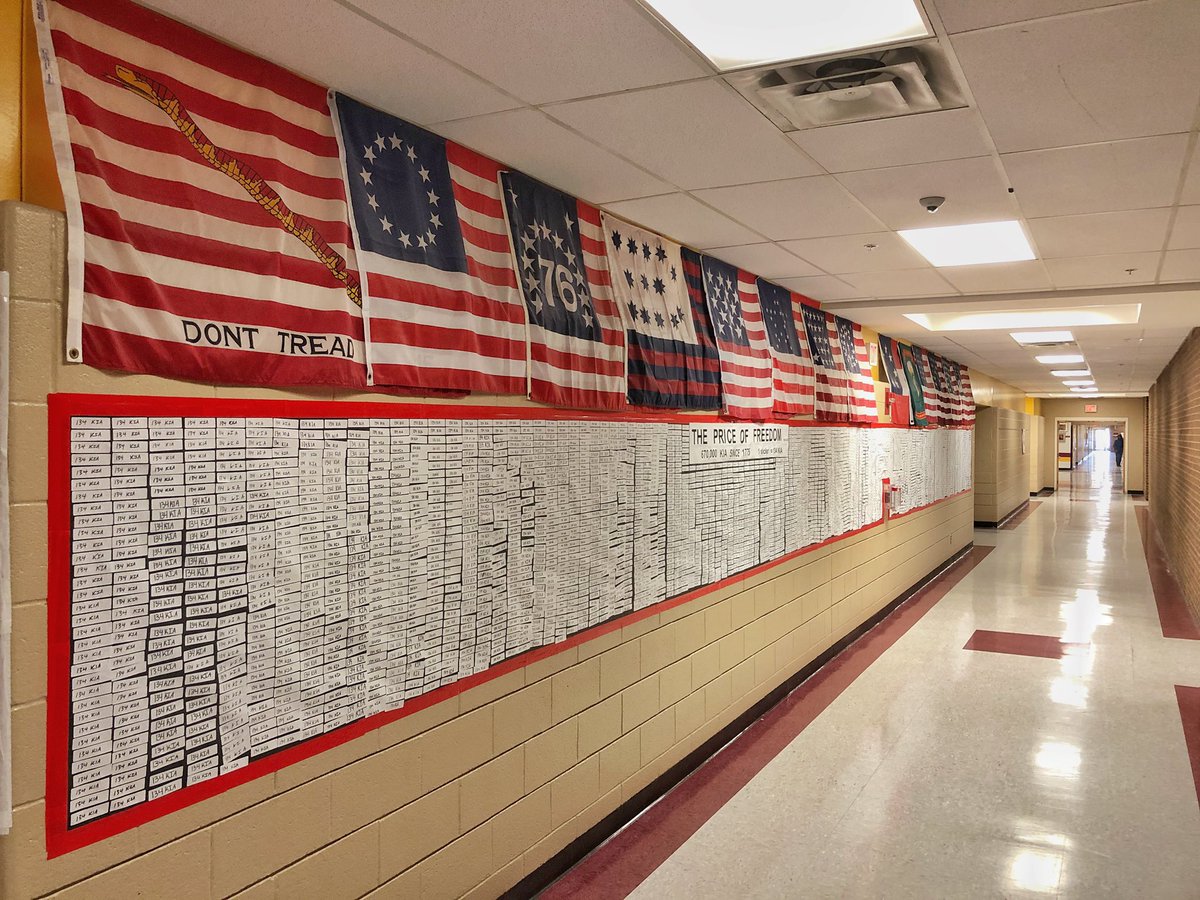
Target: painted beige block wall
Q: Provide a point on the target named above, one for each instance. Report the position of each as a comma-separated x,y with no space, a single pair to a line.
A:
1001,469
462,798
1107,408
1036,431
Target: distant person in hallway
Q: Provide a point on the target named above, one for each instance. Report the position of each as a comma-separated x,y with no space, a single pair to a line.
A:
1119,447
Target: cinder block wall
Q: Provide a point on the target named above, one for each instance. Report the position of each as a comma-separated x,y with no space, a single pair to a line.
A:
1174,463
462,798
1001,469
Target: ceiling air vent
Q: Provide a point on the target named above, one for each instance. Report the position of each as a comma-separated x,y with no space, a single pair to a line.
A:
869,85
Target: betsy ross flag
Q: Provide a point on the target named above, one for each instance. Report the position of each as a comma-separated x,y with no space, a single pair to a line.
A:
794,381
576,344
672,359
205,204
845,388
442,305
746,369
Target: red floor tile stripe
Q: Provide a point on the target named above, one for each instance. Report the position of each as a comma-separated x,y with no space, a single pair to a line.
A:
1174,615
1020,517
1189,712
1018,644
623,862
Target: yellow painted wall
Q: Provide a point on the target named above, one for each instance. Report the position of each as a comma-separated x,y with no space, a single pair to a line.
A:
26,157
1107,408
990,391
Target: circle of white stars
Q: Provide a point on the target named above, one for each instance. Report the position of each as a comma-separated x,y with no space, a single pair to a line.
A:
539,231
375,150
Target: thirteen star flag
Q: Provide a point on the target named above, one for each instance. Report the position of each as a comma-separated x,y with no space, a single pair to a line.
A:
207,213
747,384
576,343
672,360
443,310
794,381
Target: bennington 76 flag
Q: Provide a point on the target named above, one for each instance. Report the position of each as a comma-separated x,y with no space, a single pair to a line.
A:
208,223
442,304
576,344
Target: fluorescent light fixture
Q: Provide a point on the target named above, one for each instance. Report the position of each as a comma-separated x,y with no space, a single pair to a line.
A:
1042,337
1010,320
1070,373
1060,359
758,32
970,245
1082,383
1090,390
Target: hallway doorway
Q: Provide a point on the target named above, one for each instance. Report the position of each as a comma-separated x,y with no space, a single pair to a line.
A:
1088,464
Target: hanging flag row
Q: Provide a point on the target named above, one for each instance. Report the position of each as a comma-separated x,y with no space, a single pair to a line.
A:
925,389
232,222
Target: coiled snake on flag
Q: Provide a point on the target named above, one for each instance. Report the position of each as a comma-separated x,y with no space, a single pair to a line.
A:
253,183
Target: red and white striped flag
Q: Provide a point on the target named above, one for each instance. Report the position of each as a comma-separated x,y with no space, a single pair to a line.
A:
856,362
937,411
968,397
795,383
576,341
207,213
747,377
443,310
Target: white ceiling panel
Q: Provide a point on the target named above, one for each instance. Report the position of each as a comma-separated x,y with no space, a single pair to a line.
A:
1181,265
1103,271
968,15
1136,174
385,69
701,134
532,142
684,219
902,283
1100,233
542,51
766,260
1081,79
975,191
997,277
1191,185
1185,233
839,255
796,208
823,288
898,141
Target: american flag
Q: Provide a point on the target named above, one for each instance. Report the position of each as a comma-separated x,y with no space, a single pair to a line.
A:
205,202
795,382
670,365
935,410
576,344
856,361
952,400
845,388
746,375
968,397
443,309
704,389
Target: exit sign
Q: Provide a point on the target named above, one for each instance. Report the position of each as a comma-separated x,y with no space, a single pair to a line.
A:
1089,407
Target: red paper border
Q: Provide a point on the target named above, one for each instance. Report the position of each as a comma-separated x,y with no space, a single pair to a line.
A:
60,839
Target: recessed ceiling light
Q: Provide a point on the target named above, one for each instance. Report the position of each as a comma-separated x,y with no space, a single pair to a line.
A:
1081,383
1042,337
1070,373
757,32
1125,314
1057,359
970,245
1084,390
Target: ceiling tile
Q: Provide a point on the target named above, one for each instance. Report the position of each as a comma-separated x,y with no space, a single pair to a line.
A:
701,134
386,66
1082,79
1186,231
1191,185
975,191
997,277
1103,271
968,15
1136,174
766,260
823,288
534,143
541,51
848,253
1181,265
796,208
685,220
1100,233
902,283
898,141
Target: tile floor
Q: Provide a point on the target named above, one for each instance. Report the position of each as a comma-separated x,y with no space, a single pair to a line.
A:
942,771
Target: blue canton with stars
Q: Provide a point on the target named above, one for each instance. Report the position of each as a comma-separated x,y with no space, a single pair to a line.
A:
720,289
545,236
776,304
818,337
401,193
845,330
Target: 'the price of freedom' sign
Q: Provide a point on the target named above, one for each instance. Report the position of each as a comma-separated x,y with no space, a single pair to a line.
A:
732,442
